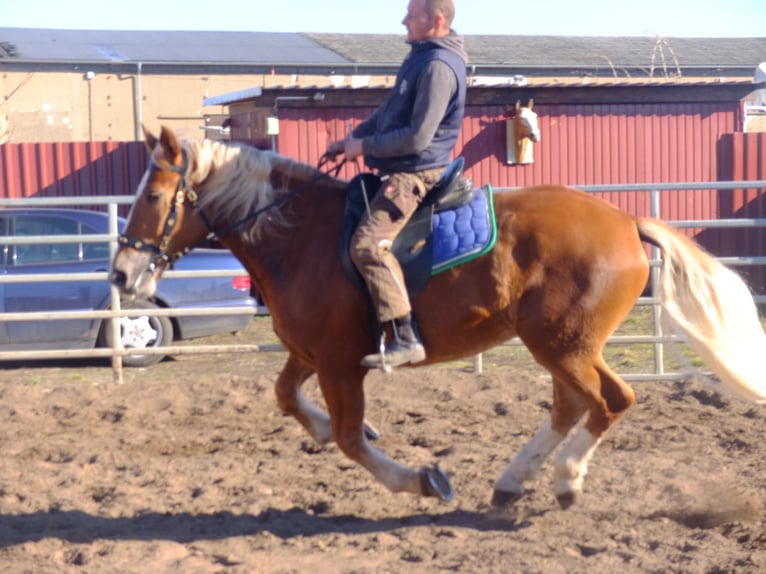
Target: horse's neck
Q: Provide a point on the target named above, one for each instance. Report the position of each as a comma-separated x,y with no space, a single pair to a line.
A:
289,174
279,257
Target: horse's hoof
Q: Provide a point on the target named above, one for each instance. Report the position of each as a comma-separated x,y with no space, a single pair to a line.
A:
566,499
370,432
502,498
434,482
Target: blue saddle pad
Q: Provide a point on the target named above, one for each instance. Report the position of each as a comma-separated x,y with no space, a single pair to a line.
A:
464,233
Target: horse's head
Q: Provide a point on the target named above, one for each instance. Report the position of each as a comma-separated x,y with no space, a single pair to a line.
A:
163,224
526,121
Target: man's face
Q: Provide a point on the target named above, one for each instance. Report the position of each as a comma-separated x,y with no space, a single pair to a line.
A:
419,25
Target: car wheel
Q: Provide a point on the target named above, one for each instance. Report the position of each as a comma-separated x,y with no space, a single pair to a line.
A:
140,333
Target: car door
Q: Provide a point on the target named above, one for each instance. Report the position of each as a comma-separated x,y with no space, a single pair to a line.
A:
65,295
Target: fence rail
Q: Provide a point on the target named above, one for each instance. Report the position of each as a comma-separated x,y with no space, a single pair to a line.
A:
658,339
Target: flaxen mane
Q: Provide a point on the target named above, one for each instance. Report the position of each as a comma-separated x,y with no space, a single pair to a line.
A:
237,180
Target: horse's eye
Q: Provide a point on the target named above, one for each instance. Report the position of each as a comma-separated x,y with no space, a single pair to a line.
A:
153,197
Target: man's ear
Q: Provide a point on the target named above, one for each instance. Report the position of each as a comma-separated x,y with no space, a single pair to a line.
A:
440,22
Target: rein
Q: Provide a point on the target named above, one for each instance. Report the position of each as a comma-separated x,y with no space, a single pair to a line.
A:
184,193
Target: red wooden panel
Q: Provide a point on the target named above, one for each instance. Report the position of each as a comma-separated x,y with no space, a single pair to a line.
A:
71,169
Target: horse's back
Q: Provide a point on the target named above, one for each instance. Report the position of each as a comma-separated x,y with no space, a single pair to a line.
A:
566,222
560,204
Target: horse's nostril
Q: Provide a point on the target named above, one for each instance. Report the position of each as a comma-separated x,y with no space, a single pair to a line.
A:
119,278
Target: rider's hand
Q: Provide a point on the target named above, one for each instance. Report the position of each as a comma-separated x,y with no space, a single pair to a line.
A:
336,147
353,148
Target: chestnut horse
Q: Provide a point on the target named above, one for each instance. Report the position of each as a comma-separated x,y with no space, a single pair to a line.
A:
564,272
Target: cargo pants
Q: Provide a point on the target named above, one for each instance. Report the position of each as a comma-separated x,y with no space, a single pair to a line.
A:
390,210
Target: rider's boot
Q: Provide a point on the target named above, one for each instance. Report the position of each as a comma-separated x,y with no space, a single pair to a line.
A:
404,347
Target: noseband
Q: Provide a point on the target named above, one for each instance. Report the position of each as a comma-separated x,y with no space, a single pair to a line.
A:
183,193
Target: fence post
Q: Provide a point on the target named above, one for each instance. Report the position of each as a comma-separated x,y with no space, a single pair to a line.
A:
114,295
659,349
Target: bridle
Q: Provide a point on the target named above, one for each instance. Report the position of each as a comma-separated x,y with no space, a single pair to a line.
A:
185,194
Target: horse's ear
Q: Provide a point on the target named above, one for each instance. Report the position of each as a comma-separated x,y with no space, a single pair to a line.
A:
531,103
170,146
149,138
518,105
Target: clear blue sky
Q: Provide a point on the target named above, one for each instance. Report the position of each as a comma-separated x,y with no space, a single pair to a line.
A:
702,18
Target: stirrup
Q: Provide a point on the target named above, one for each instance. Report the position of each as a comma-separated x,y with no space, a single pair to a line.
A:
384,366
395,354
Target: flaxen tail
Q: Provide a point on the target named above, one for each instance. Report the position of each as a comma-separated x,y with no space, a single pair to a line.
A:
713,307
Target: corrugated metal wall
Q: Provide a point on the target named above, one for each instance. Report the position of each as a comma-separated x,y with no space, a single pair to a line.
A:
71,169
743,158
580,145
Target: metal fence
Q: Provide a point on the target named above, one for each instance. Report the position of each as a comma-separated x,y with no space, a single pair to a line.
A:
114,313
658,339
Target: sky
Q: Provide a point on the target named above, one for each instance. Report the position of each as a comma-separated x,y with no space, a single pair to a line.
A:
665,18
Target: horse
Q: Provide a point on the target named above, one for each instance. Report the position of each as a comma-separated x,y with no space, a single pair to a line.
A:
565,270
522,131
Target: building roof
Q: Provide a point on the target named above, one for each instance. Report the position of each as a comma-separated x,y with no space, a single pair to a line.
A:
109,46
613,54
361,53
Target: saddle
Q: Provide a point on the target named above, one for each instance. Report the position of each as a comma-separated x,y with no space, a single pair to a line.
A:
414,246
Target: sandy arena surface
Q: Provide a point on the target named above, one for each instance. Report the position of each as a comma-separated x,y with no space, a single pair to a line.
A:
189,467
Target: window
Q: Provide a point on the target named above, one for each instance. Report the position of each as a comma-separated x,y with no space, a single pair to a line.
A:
41,253
92,251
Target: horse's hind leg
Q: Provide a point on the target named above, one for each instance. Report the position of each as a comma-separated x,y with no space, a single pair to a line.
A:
581,387
526,465
607,398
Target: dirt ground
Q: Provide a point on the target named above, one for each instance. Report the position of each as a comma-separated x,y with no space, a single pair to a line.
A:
188,467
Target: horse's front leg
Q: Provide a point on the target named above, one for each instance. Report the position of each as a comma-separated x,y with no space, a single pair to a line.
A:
292,401
344,394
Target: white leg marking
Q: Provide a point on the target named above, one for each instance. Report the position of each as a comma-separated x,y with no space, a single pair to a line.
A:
394,476
316,421
526,464
572,462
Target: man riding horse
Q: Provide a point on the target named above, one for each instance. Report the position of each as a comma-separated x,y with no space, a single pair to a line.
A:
408,139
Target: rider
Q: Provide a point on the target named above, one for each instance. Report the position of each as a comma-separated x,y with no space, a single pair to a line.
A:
408,139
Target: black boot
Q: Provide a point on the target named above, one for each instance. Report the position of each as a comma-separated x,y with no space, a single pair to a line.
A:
404,347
